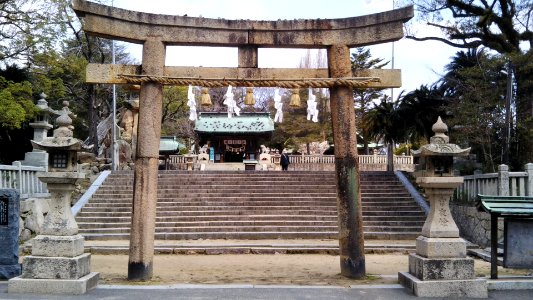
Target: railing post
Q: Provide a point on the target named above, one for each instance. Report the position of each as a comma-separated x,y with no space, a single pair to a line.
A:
475,184
503,180
529,180
18,181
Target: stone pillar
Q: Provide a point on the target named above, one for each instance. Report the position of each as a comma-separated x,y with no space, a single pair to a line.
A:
57,264
9,234
503,180
135,111
248,57
146,164
529,184
351,236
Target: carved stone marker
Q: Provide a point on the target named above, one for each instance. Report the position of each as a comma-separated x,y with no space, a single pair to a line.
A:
9,233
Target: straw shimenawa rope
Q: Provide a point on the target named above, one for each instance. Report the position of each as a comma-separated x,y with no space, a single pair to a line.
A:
353,82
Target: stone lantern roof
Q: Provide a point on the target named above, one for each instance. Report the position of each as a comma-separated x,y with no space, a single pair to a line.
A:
42,104
63,138
440,144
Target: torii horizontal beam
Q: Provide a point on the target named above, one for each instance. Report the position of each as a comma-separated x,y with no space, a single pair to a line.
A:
106,73
137,27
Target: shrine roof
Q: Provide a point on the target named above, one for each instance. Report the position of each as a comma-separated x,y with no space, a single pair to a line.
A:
246,123
170,144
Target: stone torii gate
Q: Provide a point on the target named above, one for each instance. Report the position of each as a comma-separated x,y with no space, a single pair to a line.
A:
155,32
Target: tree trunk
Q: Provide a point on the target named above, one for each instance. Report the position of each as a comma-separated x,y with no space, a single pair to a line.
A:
524,108
93,118
390,157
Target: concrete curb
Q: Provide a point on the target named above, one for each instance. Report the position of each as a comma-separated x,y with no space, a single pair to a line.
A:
521,283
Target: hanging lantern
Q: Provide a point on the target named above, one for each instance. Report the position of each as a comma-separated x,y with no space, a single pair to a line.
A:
295,98
205,99
249,98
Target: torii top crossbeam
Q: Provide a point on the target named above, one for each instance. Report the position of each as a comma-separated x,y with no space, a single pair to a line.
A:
137,27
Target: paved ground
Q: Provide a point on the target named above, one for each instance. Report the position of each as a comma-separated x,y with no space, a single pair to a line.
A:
248,292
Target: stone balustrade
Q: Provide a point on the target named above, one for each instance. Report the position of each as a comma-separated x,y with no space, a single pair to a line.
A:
324,162
502,183
23,179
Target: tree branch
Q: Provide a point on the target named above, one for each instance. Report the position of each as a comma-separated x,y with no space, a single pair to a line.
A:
464,45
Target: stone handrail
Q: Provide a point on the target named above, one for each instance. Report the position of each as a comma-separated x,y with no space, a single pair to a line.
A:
502,183
24,179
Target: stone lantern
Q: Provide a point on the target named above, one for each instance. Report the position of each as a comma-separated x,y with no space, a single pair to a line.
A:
440,267
40,126
58,264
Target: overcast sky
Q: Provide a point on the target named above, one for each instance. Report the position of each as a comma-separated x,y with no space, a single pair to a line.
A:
420,62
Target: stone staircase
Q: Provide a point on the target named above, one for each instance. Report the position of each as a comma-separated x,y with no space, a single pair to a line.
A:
251,205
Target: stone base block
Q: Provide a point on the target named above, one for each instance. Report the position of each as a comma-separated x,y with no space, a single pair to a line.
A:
9,271
441,268
440,247
57,246
79,286
40,267
471,288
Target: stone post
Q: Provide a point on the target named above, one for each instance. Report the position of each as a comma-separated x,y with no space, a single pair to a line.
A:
529,184
503,180
140,266
351,236
9,233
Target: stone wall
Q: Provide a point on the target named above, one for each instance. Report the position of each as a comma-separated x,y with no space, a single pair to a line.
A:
32,213
474,225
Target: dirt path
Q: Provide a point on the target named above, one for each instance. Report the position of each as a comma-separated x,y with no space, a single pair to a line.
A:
294,269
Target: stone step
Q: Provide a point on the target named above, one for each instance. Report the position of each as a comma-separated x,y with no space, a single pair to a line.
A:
104,218
257,236
325,210
249,249
216,213
390,226
251,205
378,216
171,203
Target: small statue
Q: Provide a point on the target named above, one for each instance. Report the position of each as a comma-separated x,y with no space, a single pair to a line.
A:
312,111
192,105
203,150
230,102
278,105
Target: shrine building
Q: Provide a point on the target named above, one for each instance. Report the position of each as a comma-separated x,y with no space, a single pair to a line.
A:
233,139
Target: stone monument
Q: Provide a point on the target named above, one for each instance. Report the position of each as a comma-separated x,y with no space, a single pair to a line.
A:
58,264
9,234
440,267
